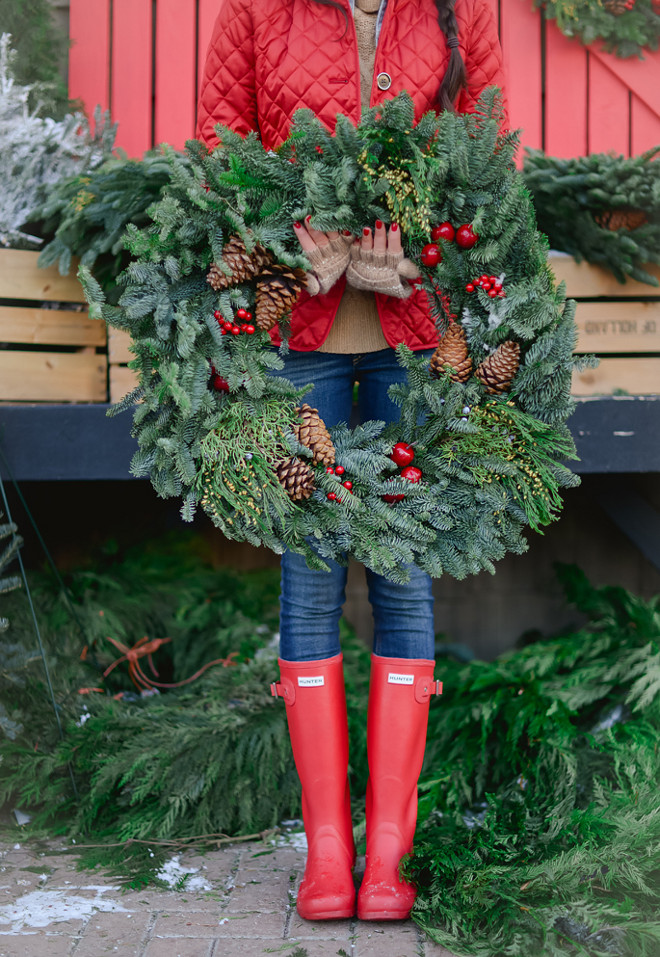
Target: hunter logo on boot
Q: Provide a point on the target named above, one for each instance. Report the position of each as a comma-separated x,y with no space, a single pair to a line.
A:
308,681
396,679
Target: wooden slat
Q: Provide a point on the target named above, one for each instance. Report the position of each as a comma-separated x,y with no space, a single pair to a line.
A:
608,110
122,381
89,56
118,343
645,126
53,327
633,376
565,91
640,76
583,279
207,14
52,377
618,326
521,44
21,278
176,83
132,74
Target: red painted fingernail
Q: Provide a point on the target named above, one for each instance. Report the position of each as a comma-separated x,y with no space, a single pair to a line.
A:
308,219
394,227
379,224
297,225
347,232
366,231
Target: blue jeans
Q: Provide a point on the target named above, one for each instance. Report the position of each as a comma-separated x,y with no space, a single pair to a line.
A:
311,601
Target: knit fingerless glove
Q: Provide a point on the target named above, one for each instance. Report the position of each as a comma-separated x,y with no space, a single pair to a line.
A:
382,272
328,263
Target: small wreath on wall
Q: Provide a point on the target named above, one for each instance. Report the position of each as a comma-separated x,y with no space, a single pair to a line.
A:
477,453
624,27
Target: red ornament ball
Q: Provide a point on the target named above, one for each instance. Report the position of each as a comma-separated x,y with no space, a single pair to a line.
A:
466,236
431,254
332,496
242,314
402,453
347,484
220,384
339,469
444,231
412,474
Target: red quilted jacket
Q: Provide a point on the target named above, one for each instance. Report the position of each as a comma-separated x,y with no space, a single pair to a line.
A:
268,58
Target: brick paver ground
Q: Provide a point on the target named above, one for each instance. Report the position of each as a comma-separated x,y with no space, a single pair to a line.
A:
238,902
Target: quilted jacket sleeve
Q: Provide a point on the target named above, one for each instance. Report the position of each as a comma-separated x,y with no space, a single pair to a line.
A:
483,61
228,89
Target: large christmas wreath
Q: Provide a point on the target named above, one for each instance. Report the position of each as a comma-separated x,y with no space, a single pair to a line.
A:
625,27
477,454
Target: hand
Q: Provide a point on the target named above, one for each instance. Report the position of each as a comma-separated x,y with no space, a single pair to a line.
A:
328,254
377,263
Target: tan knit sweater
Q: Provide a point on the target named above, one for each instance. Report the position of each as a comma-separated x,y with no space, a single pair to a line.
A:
357,327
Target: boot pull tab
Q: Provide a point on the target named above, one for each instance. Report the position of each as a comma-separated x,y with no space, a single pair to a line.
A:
284,688
425,688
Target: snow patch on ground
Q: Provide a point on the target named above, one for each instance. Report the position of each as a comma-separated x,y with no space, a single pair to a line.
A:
173,871
43,907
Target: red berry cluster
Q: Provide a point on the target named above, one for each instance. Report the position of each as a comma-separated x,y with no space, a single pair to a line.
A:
464,236
234,328
403,454
345,483
490,285
629,4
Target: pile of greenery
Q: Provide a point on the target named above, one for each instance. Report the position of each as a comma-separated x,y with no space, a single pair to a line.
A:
210,758
41,53
539,824
540,819
603,208
87,215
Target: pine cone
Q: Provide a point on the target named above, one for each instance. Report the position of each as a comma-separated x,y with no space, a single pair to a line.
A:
621,218
297,478
313,433
452,351
497,371
243,265
616,7
277,290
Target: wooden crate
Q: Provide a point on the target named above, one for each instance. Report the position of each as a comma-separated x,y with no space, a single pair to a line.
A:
47,355
122,379
618,323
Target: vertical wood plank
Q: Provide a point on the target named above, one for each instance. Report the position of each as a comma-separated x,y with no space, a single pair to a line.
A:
521,44
89,57
608,110
645,123
176,83
565,94
131,74
208,11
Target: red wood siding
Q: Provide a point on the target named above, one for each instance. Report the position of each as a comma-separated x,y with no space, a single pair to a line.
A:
143,59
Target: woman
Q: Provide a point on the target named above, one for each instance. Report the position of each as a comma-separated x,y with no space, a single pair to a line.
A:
266,59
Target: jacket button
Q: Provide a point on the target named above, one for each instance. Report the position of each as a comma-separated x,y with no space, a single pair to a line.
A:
383,81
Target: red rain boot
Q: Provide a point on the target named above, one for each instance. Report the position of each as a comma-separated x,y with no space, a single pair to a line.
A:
316,714
399,696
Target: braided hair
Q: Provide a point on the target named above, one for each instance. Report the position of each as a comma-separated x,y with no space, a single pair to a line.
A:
455,78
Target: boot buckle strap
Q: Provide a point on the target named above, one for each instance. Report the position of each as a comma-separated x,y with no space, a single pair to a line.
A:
425,688
284,688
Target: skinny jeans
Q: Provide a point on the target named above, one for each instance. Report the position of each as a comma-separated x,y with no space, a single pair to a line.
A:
311,601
